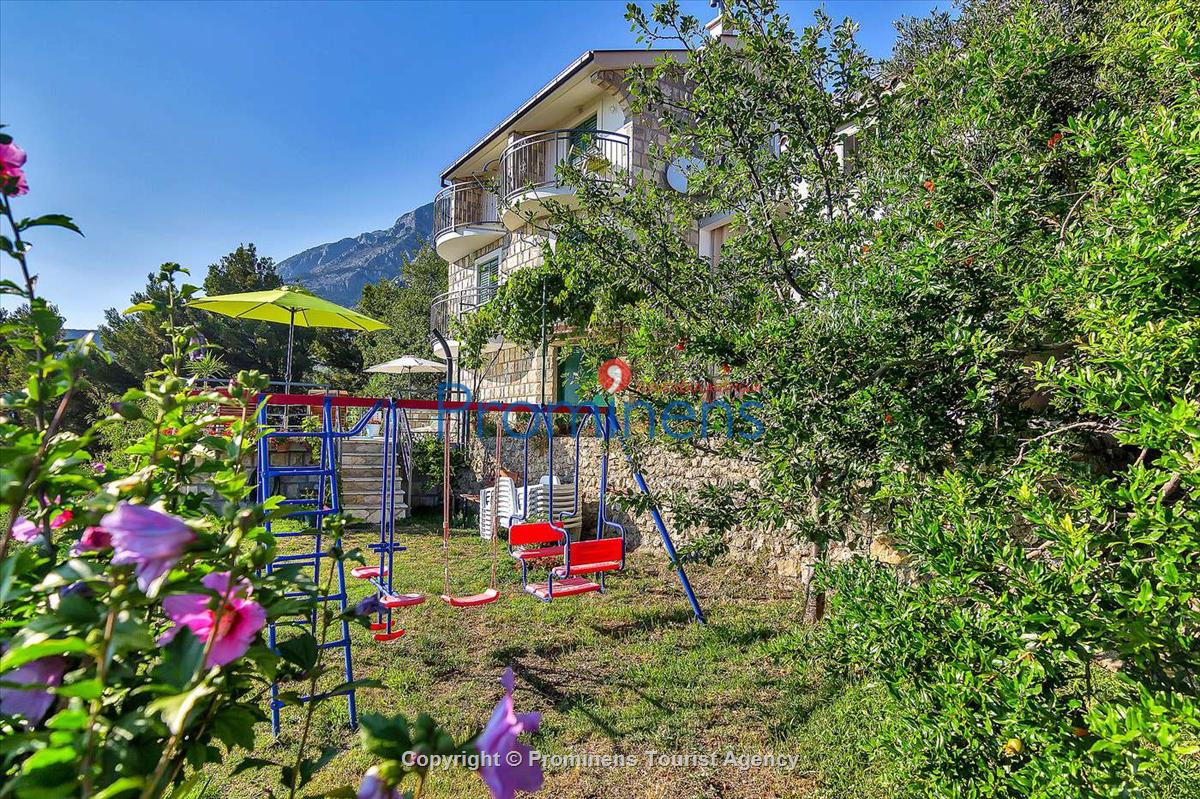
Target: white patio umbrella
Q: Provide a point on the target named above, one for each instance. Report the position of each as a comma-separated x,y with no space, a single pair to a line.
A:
407,365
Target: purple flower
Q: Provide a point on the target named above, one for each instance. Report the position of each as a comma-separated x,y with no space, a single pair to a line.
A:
32,703
26,531
99,467
374,786
148,538
240,620
508,766
368,606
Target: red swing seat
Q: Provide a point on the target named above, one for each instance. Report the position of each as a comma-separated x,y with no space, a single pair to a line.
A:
592,557
568,586
401,600
367,572
490,595
535,534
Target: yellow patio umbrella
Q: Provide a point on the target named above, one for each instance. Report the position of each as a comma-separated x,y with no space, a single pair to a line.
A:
292,306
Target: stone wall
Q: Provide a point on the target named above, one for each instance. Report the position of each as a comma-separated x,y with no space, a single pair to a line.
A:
669,470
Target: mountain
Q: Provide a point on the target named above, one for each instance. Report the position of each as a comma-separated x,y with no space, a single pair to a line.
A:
338,271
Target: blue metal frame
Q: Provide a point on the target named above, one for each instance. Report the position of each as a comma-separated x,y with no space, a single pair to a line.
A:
327,494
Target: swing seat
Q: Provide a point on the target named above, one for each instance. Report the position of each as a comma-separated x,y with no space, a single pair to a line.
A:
401,600
539,552
490,595
565,587
533,535
367,572
591,557
392,636
529,533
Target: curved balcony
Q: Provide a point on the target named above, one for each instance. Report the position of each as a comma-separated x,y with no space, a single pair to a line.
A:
447,307
529,167
465,218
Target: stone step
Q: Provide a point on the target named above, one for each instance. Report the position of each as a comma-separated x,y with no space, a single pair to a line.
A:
363,458
352,496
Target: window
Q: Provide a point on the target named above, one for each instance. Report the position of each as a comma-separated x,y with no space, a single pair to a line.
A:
717,241
849,151
487,277
581,139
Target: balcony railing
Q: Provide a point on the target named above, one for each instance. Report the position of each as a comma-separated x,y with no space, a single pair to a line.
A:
464,205
446,308
531,163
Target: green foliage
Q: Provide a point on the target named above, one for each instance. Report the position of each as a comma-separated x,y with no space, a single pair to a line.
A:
404,306
137,342
428,459
96,703
978,335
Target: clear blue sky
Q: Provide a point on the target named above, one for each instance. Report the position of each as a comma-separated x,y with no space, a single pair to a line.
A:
175,131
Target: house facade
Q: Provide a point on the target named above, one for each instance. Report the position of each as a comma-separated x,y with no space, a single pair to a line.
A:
487,218
489,215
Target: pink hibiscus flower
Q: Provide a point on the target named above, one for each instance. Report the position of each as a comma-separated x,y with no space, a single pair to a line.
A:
508,764
148,538
94,539
12,177
240,619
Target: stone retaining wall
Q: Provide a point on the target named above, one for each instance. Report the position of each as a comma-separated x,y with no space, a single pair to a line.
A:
669,471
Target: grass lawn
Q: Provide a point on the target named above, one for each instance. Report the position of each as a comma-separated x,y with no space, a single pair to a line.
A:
621,673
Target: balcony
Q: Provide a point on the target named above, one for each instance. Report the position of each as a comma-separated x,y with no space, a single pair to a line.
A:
529,167
448,307
465,218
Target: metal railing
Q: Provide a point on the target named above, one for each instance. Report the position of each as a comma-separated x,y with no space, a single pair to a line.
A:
447,307
532,162
468,204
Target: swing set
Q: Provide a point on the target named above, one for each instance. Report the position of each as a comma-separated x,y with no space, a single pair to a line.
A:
572,566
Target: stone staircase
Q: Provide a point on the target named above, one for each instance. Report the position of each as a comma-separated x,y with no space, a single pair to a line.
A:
361,473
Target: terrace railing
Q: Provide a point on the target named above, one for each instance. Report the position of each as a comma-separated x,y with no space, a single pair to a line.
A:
448,307
464,205
531,163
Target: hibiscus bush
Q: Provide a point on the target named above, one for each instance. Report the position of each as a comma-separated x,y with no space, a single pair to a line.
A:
134,599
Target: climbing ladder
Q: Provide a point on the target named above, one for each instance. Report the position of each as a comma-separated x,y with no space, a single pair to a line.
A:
397,438
315,509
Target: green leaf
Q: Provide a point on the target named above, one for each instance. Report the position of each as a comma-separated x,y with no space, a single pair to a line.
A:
84,689
176,710
234,726
29,651
301,651
53,220
181,659
118,787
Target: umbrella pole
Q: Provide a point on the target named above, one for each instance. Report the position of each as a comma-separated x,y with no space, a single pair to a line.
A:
287,377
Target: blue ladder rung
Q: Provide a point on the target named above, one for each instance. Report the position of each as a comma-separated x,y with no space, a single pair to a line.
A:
387,547
334,644
278,703
313,512
302,471
307,556
331,598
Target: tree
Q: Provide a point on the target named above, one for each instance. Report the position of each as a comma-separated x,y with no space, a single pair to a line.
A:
137,343
977,337
404,306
